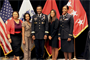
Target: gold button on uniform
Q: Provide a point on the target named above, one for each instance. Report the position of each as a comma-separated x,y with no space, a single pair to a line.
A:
39,22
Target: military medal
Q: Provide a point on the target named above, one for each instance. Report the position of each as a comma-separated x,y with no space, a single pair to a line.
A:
65,19
35,22
35,19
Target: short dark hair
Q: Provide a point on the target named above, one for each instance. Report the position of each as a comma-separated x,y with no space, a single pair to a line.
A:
39,6
67,7
25,15
16,12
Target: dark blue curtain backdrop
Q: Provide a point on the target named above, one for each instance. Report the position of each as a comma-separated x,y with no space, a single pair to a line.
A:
80,41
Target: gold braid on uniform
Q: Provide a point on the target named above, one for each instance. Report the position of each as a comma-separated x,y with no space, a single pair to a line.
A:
33,32
70,34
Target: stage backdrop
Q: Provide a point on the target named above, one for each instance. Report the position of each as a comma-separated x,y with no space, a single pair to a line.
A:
80,41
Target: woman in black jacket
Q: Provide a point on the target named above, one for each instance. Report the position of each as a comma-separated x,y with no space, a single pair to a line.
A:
53,33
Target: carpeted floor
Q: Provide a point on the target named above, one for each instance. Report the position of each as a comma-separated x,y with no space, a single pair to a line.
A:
35,59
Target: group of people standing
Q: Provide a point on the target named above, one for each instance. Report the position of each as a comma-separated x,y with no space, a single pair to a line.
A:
40,29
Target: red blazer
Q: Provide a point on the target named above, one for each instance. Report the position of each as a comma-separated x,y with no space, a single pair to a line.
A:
10,26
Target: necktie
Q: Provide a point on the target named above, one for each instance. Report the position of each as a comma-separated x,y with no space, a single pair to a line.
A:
39,15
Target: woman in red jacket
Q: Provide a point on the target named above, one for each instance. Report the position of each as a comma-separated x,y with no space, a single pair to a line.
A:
14,28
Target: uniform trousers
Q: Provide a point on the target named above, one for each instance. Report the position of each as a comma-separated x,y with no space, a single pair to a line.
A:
39,48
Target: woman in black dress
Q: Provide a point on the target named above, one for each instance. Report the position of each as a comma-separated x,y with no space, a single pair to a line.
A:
53,34
65,33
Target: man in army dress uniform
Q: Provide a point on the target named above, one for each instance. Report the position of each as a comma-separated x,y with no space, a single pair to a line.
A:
39,31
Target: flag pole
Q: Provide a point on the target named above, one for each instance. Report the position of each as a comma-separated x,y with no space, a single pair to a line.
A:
5,58
48,58
74,51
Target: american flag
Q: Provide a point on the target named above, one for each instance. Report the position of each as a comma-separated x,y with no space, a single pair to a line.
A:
5,14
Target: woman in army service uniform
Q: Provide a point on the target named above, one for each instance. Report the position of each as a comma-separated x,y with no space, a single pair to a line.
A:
65,33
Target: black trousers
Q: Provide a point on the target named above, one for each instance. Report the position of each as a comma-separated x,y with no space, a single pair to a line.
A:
39,48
